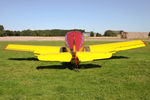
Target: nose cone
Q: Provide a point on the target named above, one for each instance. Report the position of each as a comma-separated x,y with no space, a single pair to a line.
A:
74,38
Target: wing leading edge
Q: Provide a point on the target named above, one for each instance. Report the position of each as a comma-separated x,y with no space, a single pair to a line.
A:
32,48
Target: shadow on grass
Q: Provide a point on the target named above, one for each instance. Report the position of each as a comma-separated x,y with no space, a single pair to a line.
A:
69,66
115,57
35,59
119,57
29,59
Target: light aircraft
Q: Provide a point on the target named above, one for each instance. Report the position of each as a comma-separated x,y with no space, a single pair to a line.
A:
75,51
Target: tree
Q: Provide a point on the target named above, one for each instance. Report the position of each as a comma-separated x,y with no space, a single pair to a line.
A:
16,33
1,28
121,31
53,32
113,32
9,33
1,33
98,35
92,34
110,33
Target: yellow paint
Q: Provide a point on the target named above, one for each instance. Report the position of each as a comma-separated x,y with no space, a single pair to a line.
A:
114,47
67,49
35,49
81,48
89,56
74,48
62,57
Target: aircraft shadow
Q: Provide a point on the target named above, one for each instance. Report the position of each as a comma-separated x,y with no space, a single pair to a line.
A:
69,66
29,59
35,59
116,57
119,57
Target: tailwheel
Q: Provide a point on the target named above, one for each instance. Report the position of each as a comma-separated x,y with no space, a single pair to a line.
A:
75,62
76,68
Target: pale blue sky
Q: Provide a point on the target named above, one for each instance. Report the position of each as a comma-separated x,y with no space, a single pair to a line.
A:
91,15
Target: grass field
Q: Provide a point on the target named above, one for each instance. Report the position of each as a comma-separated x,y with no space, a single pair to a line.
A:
126,76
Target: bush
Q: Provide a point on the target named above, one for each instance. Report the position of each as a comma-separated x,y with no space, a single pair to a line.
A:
110,33
92,34
98,35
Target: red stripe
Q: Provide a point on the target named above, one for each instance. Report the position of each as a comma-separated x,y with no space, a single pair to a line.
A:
6,46
143,42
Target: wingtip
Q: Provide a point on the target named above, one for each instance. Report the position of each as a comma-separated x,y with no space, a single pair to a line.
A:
143,42
6,46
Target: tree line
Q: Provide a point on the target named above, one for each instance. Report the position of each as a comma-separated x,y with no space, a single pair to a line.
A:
53,32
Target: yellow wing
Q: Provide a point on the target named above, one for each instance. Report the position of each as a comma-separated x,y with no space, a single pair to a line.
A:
35,49
114,47
104,51
44,53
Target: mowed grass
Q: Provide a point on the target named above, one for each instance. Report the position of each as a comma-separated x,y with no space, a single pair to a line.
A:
126,76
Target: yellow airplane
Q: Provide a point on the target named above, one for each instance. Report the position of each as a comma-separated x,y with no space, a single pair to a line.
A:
75,51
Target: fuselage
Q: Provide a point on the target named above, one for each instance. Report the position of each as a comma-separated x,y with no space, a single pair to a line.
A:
74,42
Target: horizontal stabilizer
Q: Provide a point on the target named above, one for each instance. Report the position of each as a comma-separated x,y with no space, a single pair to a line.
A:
62,57
89,56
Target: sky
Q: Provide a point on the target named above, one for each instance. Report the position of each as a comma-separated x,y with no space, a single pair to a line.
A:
91,15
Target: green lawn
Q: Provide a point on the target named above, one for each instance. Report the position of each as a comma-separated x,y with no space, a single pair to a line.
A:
126,76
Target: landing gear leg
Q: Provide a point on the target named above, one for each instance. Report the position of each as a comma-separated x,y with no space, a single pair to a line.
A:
75,62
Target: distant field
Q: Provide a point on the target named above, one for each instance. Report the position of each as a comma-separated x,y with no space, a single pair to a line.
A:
40,38
126,76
